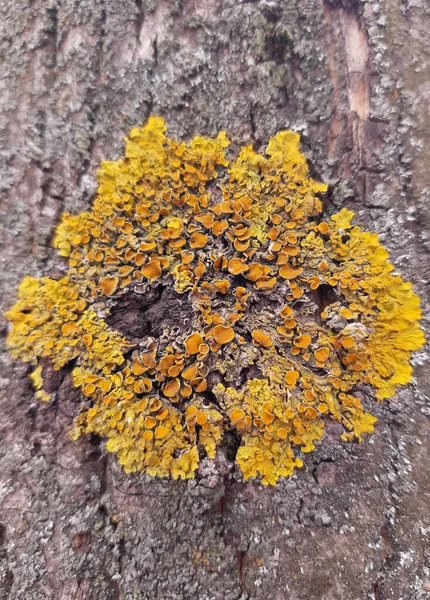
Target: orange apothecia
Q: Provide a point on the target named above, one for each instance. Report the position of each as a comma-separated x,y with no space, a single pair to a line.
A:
190,271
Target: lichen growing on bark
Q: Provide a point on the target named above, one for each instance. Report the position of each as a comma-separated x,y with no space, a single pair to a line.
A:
289,312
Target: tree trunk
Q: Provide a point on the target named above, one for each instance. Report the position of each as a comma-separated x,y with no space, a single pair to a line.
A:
353,77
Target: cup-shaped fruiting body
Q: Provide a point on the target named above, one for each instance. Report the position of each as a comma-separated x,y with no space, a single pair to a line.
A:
287,312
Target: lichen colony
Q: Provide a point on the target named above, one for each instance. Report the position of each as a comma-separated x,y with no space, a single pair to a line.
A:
289,312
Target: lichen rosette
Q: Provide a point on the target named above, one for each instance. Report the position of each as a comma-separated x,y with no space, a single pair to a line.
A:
274,315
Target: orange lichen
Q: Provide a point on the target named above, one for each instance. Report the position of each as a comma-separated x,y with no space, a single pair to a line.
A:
151,270
109,285
288,272
262,338
240,242
193,342
322,354
198,240
223,334
302,341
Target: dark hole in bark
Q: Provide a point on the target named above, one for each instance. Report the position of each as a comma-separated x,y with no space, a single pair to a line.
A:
248,373
52,378
277,46
271,13
240,281
317,371
34,451
254,373
213,378
8,582
232,442
324,296
2,534
209,397
137,316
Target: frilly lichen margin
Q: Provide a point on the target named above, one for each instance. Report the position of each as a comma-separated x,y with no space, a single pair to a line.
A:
310,306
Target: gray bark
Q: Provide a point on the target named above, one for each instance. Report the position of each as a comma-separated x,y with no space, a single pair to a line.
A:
353,77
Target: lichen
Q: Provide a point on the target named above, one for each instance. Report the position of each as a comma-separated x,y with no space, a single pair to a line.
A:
292,312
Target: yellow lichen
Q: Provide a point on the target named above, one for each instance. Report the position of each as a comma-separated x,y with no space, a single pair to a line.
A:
37,381
252,258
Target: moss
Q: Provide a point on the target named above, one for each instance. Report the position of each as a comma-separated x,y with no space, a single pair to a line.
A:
243,241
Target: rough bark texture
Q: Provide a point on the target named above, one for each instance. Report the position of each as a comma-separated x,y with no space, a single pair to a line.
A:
353,77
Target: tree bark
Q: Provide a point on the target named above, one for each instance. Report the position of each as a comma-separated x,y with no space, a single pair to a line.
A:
353,77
